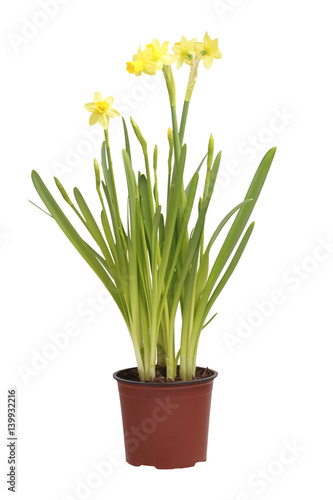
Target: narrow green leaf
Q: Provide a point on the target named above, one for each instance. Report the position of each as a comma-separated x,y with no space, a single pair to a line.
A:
81,246
240,221
234,234
230,268
183,228
173,204
209,321
161,233
204,263
143,190
34,204
92,226
127,142
197,170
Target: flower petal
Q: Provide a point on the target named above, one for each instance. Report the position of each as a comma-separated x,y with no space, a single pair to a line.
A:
208,61
90,106
97,97
147,54
150,72
104,120
180,63
156,44
177,48
109,100
164,47
190,46
217,54
151,68
168,59
207,39
214,43
94,118
113,113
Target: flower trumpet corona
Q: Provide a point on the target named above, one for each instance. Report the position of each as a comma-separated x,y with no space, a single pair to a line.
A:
155,261
101,110
142,63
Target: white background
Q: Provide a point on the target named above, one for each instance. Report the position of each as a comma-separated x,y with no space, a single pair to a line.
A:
273,386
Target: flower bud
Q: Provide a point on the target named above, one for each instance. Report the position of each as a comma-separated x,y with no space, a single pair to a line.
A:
210,151
155,158
139,135
97,174
170,136
63,192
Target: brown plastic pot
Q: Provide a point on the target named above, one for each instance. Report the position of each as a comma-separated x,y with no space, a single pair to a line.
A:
165,425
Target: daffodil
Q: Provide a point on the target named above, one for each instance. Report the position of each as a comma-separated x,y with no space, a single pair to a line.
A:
184,51
159,53
142,63
101,110
208,50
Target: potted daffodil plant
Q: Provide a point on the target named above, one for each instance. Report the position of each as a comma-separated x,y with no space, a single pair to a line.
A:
155,262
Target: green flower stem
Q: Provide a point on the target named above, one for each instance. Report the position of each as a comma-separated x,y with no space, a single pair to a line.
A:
192,78
155,177
113,185
176,141
144,147
190,86
187,316
138,358
170,83
183,121
170,140
170,360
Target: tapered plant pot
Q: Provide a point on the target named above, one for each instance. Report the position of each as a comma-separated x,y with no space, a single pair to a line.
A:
165,424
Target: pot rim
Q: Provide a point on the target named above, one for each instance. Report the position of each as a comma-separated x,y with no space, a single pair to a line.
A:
117,377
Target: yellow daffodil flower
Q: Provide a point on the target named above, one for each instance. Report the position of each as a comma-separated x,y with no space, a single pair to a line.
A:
142,63
101,110
208,50
184,51
159,53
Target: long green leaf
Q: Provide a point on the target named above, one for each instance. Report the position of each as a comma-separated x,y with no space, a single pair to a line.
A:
93,226
204,262
197,170
235,232
173,204
230,268
195,239
220,286
127,142
73,236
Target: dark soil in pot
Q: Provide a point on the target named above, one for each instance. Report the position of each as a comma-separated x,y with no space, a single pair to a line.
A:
132,375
